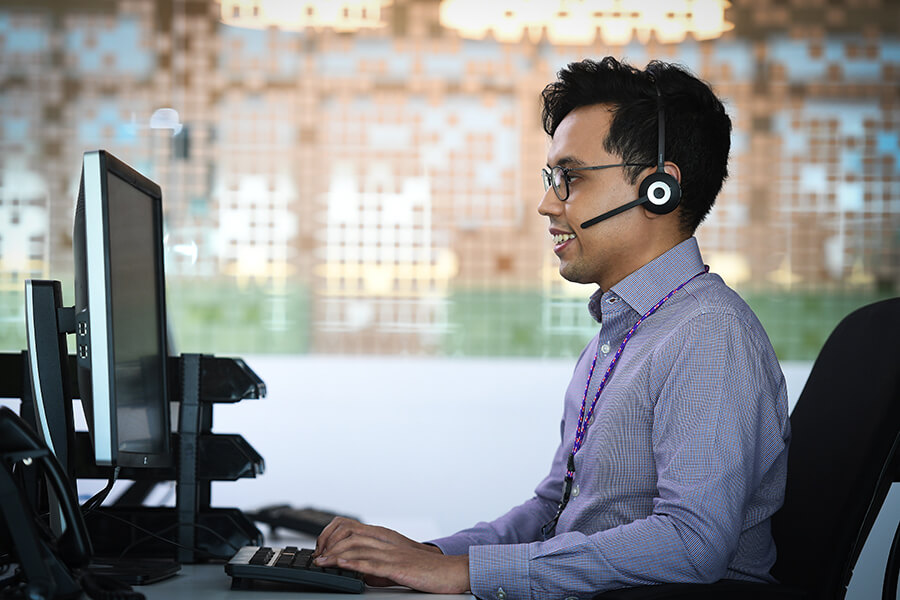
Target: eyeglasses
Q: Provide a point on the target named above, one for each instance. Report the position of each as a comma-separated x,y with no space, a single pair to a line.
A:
558,177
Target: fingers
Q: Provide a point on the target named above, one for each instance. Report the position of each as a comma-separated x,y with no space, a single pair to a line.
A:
339,529
353,546
365,555
386,557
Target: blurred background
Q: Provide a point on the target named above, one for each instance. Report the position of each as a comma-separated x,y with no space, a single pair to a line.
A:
361,177
350,193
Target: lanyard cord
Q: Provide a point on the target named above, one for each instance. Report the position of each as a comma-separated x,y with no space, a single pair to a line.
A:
580,431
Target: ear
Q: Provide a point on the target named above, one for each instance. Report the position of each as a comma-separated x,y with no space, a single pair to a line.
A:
673,170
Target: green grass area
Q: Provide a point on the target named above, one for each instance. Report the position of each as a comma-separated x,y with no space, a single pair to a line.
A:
506,323
225,319
509,323
799,322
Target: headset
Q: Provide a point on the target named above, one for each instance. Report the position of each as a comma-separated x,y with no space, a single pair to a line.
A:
660,192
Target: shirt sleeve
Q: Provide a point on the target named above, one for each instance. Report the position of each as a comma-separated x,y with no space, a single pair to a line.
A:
521,524
719,429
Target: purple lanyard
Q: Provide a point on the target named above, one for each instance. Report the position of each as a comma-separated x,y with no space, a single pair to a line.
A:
581,429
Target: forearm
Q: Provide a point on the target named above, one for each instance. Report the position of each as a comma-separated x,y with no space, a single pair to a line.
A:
652,550
522,524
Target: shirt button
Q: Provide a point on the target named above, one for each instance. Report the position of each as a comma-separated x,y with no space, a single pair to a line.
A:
572,598
575,490
604,348
501,595
612,299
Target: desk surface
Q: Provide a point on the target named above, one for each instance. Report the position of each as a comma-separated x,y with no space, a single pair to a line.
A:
211,582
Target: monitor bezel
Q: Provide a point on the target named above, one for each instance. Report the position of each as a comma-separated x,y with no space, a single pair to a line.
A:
98,166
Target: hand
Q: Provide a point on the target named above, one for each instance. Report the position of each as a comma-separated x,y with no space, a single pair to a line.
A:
389,558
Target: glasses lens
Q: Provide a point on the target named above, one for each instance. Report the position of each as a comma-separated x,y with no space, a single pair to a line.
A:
560,185
545,176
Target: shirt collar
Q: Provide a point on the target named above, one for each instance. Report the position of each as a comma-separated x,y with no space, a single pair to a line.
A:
646,286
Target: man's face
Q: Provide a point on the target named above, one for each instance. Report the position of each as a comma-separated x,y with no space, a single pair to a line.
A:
606,252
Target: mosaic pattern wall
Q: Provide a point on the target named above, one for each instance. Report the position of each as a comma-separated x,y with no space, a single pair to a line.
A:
376,191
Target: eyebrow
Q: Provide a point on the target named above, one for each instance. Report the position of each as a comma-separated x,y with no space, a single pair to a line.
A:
569,161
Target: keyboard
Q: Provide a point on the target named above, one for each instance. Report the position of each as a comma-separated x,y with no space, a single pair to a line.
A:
303,520
290,566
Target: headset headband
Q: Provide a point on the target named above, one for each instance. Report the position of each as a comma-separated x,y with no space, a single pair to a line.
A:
661,120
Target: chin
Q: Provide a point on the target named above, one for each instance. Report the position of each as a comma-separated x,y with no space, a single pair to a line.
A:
571,274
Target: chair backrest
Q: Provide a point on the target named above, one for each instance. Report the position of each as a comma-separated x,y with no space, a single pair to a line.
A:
843,453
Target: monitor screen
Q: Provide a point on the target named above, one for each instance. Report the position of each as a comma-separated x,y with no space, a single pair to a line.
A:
136,326
120,314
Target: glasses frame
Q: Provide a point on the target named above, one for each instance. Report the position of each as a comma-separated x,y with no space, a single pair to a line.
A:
550,180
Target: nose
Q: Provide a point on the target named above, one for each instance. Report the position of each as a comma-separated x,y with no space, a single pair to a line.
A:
550,204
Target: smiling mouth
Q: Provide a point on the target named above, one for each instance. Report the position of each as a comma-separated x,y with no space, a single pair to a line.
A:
563,238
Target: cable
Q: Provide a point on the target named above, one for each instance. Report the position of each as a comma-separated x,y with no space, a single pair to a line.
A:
157,535
90,505
97,499
218,535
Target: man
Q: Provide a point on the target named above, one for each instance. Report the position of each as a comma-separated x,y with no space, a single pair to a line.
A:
675,429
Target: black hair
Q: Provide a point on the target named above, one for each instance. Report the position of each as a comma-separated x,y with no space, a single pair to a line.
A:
697,128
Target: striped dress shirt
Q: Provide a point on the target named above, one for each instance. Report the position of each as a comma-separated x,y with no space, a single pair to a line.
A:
682,466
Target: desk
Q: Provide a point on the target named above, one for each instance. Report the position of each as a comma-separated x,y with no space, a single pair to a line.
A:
211,582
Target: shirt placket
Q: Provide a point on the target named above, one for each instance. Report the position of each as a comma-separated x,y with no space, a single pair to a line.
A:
618,318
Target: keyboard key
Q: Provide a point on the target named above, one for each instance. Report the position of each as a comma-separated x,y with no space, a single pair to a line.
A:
303,559
262,556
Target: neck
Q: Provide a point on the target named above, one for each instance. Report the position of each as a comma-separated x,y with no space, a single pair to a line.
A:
638,257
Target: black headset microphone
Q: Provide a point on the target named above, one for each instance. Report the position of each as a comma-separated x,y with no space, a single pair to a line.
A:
659,191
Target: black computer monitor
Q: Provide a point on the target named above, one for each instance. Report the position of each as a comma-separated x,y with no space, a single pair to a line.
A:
120,314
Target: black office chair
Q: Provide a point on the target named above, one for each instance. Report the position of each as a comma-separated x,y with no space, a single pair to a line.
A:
842,461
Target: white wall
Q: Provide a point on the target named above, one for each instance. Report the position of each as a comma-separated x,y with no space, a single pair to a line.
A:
437,444
433,444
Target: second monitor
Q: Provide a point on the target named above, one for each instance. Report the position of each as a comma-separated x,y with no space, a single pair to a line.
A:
120,314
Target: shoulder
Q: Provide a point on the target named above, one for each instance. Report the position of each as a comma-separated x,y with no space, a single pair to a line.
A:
711,322
711,302
716,358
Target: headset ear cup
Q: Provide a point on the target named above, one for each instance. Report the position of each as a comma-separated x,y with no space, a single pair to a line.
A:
662,193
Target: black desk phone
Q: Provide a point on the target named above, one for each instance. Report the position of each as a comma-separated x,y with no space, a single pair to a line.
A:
45,561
